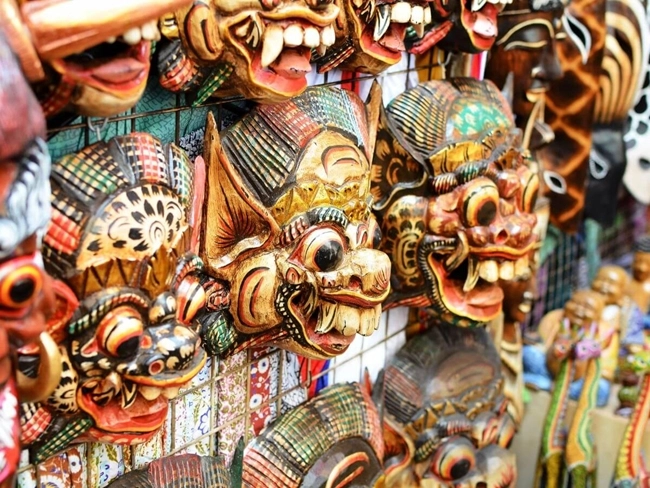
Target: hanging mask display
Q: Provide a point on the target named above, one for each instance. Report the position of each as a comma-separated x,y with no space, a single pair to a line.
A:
96,62
569,111
289,238
526,46
25,290
637,171
261,49
183,471
455,199
626,53
370,36
343,445
127,294
461,26
444,388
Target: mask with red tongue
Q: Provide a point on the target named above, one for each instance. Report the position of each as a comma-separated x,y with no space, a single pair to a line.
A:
455,205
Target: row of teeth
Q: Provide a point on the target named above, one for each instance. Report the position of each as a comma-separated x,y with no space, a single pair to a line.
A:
348,320
400,13
152,392
479,4
492,271
275,38
146,32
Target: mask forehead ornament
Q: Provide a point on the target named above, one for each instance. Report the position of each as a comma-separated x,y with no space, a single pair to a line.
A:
457,211
289,231
118,242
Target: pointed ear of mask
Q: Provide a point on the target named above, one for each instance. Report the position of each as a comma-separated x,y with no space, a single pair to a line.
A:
374,106
235,223
508,90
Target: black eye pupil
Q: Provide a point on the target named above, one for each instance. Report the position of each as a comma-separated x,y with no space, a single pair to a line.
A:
328,256
486,213
22,290
376,238
128,347
460,469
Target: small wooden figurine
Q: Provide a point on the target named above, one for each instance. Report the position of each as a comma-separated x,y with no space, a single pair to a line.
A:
118,242
639,288
444,389
289,240
455,199
26,298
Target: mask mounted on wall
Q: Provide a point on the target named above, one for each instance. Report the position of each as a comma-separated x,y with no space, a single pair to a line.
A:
455,199
261,50
118,242
569,111
25,290
444,388
625,59
289,238
526,46
97,63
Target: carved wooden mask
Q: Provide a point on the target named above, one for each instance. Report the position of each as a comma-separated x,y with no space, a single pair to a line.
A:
333,440
444,388
288,227
569,112
25,291
98,63
626,52
526,46
260,49
118,241
455,198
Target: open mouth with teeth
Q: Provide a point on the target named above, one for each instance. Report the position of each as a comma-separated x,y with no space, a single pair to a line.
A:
382,26
138,407
278,45
330,325
470,288
118,67
479,19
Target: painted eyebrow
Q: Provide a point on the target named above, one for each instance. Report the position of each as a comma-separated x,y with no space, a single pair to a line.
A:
527,23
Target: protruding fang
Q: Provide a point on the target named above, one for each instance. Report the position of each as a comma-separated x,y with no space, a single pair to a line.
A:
460,253
382,23
273,43
472,275
327,318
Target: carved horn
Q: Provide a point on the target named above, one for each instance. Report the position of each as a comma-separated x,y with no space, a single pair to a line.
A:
374,105
49,372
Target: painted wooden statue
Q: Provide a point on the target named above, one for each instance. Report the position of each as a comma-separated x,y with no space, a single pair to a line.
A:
631,470
561,457
455,199
92,58
26,298
526,46
289,240
118,242
259,49
639,288
444,389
